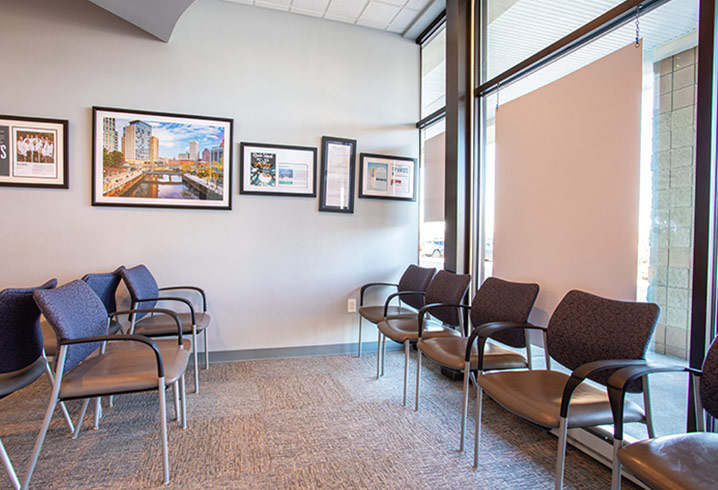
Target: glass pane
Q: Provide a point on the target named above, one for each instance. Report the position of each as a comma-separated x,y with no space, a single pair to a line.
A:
433,73
431,207
518,29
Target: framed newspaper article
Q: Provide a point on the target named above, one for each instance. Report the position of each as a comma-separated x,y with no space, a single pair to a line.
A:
33,152
387,177
277,170
156,159
336,179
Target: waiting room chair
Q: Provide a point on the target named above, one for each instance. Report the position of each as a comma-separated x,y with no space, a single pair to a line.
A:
446,288
589,335
495,301
145,293
91,363
686,461
22,360
415,278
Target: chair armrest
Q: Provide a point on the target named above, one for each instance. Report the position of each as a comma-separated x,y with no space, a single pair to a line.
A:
168,298
585,370
131,338
399,293
619,381
485,331
426,308
371,285
170,313
191,288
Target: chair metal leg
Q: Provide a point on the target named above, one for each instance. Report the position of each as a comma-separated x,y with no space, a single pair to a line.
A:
647,408
8,467
616,469
176,395
383,353
63,408
112,400
206,350
378,355
547,357
418,379
406,366
48,416
194,357
561,456
359,348
163,429
477,437
184,402
80,419
529,354
98,412
464,405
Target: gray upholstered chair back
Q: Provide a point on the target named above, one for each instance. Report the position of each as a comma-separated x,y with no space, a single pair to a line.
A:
415,278
141,284
20,333
447,287
74,311
586,328
105,286
504,301
709,381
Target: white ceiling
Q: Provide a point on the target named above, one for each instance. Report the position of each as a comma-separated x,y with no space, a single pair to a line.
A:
399,16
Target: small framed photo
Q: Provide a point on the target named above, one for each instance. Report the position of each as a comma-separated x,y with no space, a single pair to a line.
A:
387,177
156,159
33,152
277,170
336,180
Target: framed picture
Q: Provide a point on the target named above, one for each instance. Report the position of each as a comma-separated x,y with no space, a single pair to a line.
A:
155,159
33,152
336,180
387,177
277,170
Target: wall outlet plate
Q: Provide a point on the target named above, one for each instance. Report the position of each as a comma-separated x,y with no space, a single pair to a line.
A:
351,305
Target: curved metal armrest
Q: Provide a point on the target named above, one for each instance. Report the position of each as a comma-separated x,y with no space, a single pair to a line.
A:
426,308
132,338
371,285
486,330
399,293
171,313
168,298
585,370
619,381
191,288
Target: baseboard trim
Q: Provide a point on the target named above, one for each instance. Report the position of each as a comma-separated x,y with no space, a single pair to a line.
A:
301,351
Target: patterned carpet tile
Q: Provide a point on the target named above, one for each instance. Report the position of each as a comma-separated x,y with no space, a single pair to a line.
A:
291,392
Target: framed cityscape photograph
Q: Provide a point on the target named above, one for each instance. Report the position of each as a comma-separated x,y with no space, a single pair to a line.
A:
155,159
33,152
277,170
387,177
336,180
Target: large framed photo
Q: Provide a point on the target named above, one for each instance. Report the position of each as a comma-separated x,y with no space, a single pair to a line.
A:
336,187
387,177
33,152
277,170
154,159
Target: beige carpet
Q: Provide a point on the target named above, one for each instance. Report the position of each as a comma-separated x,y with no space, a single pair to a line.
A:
322,422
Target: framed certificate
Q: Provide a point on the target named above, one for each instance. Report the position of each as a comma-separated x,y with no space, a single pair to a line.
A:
336,182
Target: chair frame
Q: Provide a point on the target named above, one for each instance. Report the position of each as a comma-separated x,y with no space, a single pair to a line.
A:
59,372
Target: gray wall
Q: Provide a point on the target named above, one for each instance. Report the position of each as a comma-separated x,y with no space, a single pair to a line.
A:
277,272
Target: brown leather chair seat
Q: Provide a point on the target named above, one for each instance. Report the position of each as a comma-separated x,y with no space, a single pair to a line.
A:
375,313
159,325
451,351
536,396
125,368
402,329
685,461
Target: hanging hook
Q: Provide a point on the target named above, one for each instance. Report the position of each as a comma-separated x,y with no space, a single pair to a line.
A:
638,30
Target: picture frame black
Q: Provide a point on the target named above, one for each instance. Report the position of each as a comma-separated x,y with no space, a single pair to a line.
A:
336,178
277,170
387,177
34,152
183,166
